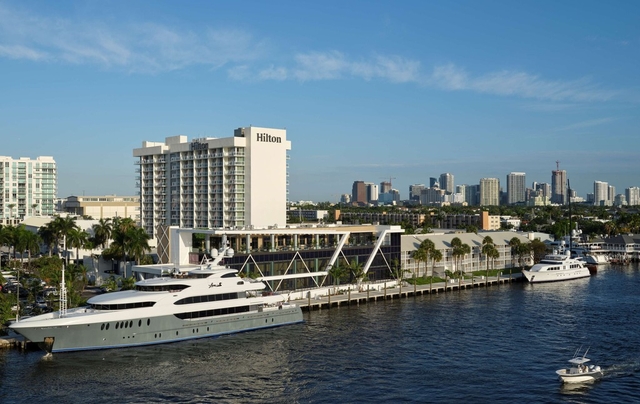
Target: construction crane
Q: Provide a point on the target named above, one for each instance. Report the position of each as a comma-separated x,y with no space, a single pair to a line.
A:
390,178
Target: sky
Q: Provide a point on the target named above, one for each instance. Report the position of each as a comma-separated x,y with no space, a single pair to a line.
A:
367,90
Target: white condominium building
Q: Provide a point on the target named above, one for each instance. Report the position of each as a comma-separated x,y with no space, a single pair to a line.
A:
489,192
633,196
516,188
601,193
28,188
207,183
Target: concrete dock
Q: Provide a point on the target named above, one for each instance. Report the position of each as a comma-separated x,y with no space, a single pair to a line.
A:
364,295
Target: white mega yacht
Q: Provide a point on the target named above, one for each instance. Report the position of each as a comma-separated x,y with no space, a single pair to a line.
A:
208,300
557,267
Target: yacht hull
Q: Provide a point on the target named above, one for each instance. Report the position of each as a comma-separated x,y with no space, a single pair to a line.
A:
555,276
76,334
567,376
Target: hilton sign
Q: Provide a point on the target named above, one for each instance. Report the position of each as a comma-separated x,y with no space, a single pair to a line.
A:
265,137
199,146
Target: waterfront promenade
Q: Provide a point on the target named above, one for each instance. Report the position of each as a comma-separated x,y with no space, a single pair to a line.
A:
353,295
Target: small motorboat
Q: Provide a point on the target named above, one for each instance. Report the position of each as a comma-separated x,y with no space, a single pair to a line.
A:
579,371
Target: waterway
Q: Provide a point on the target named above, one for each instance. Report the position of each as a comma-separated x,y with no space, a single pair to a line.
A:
496,344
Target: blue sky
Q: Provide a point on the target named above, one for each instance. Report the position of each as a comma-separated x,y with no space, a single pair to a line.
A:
367,90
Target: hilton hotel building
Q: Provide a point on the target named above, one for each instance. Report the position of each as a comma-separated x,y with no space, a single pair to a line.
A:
231,182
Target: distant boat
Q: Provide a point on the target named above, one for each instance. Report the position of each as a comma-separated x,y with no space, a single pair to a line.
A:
596,258
579,372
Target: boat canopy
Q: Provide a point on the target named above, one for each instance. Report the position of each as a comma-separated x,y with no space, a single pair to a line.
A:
579,361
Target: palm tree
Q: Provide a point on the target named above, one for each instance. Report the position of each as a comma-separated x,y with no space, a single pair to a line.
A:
435,256
48,236
514,243
337,272
31,243
11,238
397,271
77,239
138,241
127,240
102,232
493,254
421,254
357,270
62,227
459,253
487,245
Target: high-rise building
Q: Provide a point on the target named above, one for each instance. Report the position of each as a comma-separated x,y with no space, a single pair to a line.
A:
446,182
372,192
515,188
633,196
462,190
432,196
542,189
28,188
472,195
415,190
611,194
601,193
433,182
385,187
489,192
359,192
214,182
559,186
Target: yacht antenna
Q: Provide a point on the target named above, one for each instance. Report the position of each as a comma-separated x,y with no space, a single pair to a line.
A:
63,285
575,354
570,218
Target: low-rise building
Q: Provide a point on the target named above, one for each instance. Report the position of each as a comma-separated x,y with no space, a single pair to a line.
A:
106,206
475,261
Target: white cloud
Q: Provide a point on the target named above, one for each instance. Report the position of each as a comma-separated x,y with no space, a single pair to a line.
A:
586,124
151,48
519,84
142,47
21,52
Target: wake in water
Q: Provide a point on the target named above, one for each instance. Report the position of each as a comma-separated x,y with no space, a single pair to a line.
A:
621,370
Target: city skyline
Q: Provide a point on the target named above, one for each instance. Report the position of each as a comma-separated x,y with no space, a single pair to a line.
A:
376,91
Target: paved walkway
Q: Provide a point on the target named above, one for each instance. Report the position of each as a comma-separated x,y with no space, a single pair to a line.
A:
357,297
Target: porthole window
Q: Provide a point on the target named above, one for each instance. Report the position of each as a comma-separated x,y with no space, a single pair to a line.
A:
148,321
117,325
139,323
107,326
131,324
102,326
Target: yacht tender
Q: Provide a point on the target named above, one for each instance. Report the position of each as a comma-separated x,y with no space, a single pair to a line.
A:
206,301
579,372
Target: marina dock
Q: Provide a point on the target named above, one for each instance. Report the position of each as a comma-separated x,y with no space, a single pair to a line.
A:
365,295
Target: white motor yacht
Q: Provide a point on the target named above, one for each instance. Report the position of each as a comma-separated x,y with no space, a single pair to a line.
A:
557,267
579,372
208,300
